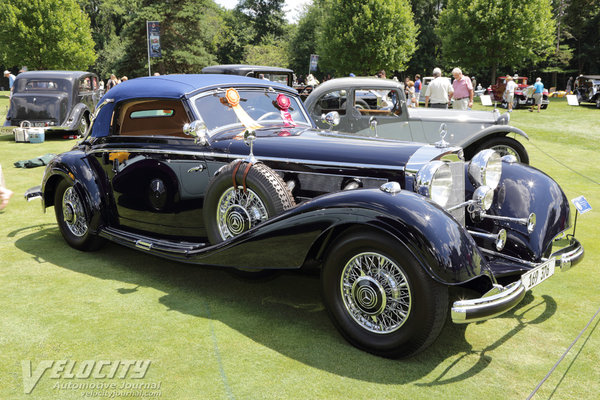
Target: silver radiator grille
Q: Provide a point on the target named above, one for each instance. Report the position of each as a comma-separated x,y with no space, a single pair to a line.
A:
457,194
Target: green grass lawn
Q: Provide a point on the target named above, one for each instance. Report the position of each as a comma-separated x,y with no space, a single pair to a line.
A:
212,336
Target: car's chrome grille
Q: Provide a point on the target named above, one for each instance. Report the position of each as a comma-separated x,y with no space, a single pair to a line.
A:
457,195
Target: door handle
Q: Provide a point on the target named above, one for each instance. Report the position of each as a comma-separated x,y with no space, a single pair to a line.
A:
196,169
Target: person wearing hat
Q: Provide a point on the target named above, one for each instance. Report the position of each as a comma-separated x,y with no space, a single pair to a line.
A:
11,79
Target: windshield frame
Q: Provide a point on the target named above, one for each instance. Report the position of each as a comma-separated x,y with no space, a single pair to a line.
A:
262,89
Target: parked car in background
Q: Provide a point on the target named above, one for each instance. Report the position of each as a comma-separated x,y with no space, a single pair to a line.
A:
587,89
230,171
56,101
359,101
523,93
273,74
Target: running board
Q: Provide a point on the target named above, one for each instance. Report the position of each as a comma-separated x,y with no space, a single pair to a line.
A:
160,247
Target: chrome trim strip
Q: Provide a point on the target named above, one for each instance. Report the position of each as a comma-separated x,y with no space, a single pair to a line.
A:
243,156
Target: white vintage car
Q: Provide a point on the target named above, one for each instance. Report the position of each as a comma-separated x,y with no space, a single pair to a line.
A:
377,107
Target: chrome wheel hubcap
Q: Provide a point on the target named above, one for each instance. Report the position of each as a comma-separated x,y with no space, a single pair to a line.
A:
375,292
73,213
239,211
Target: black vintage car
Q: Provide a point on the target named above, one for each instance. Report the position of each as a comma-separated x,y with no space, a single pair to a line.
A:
587,89
230,171
54,100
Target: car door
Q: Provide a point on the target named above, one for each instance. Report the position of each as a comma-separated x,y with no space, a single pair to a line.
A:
157,174
387,107
333,100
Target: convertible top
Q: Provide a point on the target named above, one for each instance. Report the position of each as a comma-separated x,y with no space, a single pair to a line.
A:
170,87
178,86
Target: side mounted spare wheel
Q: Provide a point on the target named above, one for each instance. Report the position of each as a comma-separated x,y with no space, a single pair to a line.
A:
259,194
71,218
379,297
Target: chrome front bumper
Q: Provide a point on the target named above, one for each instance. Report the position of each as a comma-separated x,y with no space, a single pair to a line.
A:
501,299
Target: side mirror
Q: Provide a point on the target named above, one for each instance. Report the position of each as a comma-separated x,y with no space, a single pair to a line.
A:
373,125
331,118
197,129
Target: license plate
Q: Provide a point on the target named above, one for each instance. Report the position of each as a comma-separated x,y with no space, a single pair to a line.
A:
39,124
539,274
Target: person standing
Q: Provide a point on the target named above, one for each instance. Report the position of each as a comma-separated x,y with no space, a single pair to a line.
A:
112,82
509,93
538,94
463,90
411,98
569,85
11,79
418,86
438,91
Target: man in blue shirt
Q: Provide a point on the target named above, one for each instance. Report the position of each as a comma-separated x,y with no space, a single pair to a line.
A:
11,79
538,94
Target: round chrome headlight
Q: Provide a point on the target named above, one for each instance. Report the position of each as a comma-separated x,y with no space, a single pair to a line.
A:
485,169
434,180
484,196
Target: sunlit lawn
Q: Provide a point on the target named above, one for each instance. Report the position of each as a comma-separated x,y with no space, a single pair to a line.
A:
209,335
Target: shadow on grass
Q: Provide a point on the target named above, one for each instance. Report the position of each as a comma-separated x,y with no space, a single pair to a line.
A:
285,313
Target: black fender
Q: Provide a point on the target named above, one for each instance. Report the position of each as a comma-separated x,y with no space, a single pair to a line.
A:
491,131
72,121
443,247
88,179
522,190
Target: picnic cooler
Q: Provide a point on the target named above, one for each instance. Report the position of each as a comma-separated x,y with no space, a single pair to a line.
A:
26,134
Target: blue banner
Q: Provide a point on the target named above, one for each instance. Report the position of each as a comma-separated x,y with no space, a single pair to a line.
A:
314,61
153,29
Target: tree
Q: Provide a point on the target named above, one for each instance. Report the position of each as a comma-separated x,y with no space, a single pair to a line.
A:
304,38
271,52
426,57
45,34
583,19
366,36
189,34
265,16
492,33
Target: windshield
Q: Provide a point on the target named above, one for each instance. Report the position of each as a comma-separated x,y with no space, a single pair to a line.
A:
257,108
42,85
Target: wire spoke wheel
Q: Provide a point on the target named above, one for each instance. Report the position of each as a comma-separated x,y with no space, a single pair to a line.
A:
238,211
73,213
505,150
375,292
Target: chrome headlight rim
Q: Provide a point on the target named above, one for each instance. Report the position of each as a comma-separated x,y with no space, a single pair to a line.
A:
485,169
434,180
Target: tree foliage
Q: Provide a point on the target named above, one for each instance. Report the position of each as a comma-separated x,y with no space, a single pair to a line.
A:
304,38
271,51
493,33
427,55
189,34
365,36
45,34
264,16
583,19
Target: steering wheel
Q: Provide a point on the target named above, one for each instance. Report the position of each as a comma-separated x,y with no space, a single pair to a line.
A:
268,114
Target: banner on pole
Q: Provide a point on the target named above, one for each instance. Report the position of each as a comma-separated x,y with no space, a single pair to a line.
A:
314,61
153,28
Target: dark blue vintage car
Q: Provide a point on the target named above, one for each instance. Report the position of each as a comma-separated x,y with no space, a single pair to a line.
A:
230,171
54,100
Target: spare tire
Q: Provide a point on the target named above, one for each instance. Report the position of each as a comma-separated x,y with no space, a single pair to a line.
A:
259,194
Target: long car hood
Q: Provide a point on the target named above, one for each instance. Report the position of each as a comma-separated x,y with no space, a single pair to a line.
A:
323,146
441,115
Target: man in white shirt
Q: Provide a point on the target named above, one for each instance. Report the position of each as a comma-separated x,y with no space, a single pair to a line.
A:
509,93
438,91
